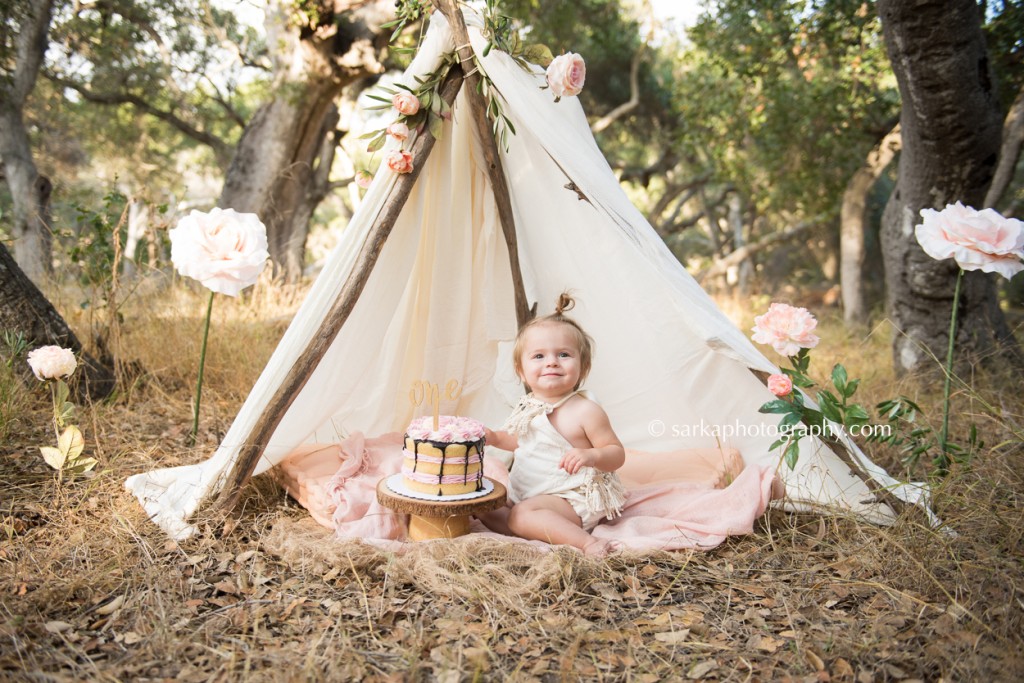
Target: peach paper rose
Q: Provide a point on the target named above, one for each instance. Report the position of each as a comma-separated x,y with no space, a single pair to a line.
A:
780,385
399,161
51,362
406,103
787,328
566,74
978,240
398,131
223,249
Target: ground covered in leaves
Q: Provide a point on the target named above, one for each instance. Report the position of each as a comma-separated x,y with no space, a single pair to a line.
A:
91,590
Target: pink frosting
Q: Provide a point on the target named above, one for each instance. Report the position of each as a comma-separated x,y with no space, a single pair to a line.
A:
447,460
425,478
450,429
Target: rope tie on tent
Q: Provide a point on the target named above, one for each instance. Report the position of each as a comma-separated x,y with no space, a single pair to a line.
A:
462,61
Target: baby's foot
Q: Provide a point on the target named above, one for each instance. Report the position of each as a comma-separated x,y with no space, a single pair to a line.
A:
601,547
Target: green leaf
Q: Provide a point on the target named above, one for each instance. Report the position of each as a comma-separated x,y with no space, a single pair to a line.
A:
790,420
856,414
851,388
436,127
839,378
538,54
792,454
778,406
830,407
377,143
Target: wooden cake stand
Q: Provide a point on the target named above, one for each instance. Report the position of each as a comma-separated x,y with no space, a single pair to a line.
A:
429,519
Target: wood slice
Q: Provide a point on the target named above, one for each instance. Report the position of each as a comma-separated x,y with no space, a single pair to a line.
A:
440,508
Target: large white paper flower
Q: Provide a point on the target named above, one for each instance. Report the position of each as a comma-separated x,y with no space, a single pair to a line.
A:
977,240
223,249
51,362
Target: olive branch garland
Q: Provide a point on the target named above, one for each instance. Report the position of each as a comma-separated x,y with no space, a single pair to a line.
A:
501,34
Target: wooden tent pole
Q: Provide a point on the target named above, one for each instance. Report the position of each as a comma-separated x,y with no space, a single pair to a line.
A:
249,454
495,171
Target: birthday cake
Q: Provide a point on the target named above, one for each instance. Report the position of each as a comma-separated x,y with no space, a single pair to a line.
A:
446,461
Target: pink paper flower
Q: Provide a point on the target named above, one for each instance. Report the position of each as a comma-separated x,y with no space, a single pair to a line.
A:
363,179
780,385
223,249
51,362
399,161
398,131
787,328
566,74
406,103
978,240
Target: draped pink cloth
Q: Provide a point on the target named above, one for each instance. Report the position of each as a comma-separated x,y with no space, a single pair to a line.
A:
682,499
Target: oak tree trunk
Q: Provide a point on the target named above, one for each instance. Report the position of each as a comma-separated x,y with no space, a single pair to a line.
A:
25,309
951,129
279,152
30,191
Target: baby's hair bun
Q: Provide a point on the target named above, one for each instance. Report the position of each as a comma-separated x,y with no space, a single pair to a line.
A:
565,303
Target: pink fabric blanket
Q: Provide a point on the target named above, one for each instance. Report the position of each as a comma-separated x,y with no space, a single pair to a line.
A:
683,499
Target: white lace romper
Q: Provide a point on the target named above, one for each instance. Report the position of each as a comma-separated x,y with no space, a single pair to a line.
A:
593,494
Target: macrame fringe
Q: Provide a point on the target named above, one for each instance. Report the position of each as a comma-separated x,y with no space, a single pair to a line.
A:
604,493
518,422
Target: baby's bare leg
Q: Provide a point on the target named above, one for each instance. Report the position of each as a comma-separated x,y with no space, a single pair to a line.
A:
497,520
551,519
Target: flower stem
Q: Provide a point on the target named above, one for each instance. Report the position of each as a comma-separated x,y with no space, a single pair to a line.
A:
942,461
199,382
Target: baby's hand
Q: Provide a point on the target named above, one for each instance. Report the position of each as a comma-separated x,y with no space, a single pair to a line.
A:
577,458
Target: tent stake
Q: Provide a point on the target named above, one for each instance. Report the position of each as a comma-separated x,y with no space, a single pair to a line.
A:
495,171
250,453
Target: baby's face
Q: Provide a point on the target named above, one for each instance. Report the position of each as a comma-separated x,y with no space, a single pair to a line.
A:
551,360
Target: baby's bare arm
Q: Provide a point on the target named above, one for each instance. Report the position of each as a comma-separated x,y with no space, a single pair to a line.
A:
606,452
502,440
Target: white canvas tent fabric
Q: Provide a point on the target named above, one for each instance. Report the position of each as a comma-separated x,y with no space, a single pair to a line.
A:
670,369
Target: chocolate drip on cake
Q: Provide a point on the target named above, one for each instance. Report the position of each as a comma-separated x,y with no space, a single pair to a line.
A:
443,446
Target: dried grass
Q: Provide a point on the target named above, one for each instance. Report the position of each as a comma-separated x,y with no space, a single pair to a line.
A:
93,591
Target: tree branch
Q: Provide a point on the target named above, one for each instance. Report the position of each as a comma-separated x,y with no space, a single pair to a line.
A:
634,96
221,149
1013,137
735,258
31,46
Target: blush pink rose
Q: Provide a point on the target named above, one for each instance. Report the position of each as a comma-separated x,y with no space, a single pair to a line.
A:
398,131
780,385
399,161
406,103
51,362
223,249
977,240
566,74
787,328
363,179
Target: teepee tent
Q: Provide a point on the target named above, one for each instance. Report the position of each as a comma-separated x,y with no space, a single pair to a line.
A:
435,301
